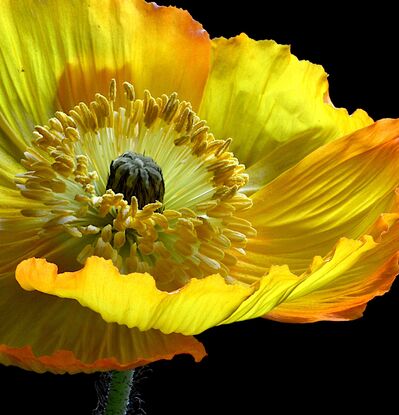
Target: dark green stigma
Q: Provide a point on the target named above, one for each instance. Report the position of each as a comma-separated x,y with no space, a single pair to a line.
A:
133,174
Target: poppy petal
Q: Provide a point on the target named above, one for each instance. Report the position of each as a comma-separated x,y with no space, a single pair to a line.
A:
336,287
44,333
341,291
274,107
134,299
71,50
341,189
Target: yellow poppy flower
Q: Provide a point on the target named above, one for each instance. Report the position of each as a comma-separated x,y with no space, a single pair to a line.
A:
258,198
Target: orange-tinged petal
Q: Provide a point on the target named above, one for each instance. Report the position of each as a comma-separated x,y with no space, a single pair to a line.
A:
45,333
59,52
336,287
275,107
340,288
158,48
65,361
341,189
133,299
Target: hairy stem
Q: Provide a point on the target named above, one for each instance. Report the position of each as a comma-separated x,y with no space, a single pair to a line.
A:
119,391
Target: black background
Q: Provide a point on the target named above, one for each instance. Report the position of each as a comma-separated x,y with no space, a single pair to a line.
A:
259,366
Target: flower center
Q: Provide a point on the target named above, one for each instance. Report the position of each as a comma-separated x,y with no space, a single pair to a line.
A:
146,185
133,174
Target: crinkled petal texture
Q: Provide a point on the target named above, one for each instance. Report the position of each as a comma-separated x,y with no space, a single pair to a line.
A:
335,287
275,107
44,333
339,288
57,53
340,190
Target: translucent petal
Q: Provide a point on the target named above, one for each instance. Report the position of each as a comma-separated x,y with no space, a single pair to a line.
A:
275,107
44,333
339,190
55,54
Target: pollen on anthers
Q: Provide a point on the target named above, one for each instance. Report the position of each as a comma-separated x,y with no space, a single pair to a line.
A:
141,182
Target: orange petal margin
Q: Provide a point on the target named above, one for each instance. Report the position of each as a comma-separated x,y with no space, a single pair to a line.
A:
372,272
64,361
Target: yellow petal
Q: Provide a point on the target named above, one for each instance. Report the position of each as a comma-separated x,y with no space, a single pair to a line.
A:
57,53
341,189
133,299
339,288
46,333
336,287
275,107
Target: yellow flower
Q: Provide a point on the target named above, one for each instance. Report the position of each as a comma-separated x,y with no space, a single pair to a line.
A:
279,205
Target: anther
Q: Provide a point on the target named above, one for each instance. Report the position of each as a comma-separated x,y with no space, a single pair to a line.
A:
112,90
129,90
